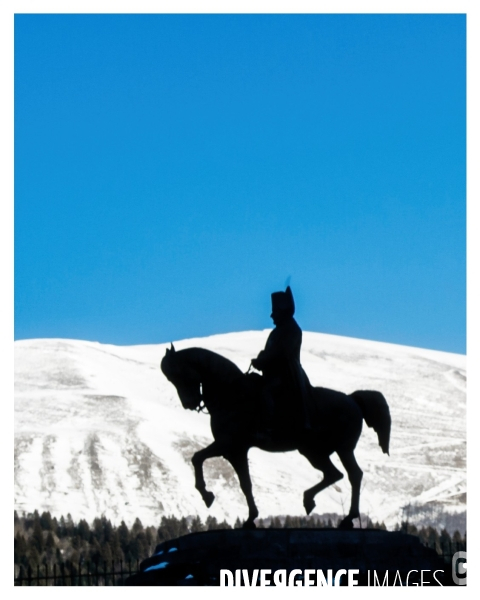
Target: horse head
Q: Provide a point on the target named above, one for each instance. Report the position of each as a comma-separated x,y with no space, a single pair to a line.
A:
183,376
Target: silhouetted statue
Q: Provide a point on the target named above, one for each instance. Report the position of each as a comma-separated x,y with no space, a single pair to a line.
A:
285,383
234,400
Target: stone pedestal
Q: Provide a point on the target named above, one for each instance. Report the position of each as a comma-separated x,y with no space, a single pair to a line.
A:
197,558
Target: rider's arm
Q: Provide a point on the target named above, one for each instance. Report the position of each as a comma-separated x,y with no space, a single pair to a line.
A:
280,343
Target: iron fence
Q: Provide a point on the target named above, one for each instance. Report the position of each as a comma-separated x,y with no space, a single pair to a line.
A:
70,574
105,573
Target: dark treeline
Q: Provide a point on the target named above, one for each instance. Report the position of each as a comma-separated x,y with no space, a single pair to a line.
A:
442,541
46,540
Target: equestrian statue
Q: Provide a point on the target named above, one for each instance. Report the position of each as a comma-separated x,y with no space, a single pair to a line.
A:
277,411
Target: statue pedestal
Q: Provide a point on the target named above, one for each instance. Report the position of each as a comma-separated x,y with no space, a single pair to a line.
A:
197,558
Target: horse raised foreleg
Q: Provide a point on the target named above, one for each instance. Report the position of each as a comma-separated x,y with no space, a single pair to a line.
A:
197,460
239,462
355,475
330,475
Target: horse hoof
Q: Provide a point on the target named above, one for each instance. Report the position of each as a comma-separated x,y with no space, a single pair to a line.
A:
208,498
309,505
346,523
249,525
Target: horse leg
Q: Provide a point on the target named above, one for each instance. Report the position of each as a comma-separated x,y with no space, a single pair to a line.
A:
355,475
197,460
330,475
239,462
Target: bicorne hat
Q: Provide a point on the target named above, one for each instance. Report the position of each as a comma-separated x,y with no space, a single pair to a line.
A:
283,301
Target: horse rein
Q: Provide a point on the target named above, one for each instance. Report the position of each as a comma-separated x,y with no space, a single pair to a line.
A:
202,408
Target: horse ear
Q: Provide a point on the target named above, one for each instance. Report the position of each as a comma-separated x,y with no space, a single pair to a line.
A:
172,349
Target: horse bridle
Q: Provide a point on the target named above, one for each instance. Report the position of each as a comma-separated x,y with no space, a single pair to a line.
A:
202,408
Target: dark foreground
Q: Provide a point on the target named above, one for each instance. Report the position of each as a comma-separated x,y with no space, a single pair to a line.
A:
381,558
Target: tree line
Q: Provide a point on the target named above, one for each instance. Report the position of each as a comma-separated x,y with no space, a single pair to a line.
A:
40,539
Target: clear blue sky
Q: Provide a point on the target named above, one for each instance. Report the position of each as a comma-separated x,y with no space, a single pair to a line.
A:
172,171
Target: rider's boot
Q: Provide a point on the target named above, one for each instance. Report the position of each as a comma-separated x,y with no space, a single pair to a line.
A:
307,425
305,420
266,428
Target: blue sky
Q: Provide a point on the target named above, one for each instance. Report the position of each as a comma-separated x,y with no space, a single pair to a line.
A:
171,171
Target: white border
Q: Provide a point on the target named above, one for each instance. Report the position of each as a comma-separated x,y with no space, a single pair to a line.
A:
7,11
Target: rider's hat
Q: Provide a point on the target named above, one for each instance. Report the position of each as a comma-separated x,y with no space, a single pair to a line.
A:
283,301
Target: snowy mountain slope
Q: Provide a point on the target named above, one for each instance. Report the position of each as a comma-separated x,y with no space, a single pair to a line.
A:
99,430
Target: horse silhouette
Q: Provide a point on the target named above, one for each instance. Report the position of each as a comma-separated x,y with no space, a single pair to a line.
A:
205,379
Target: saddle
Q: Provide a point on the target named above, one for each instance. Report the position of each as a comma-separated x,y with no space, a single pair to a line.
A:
251,384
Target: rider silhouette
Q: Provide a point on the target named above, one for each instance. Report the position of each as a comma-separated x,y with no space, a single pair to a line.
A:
280,363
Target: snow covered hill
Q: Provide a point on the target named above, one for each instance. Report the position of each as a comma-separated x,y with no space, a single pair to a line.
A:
99,430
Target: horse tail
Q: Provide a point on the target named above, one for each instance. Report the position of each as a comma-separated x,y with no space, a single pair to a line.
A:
376,413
